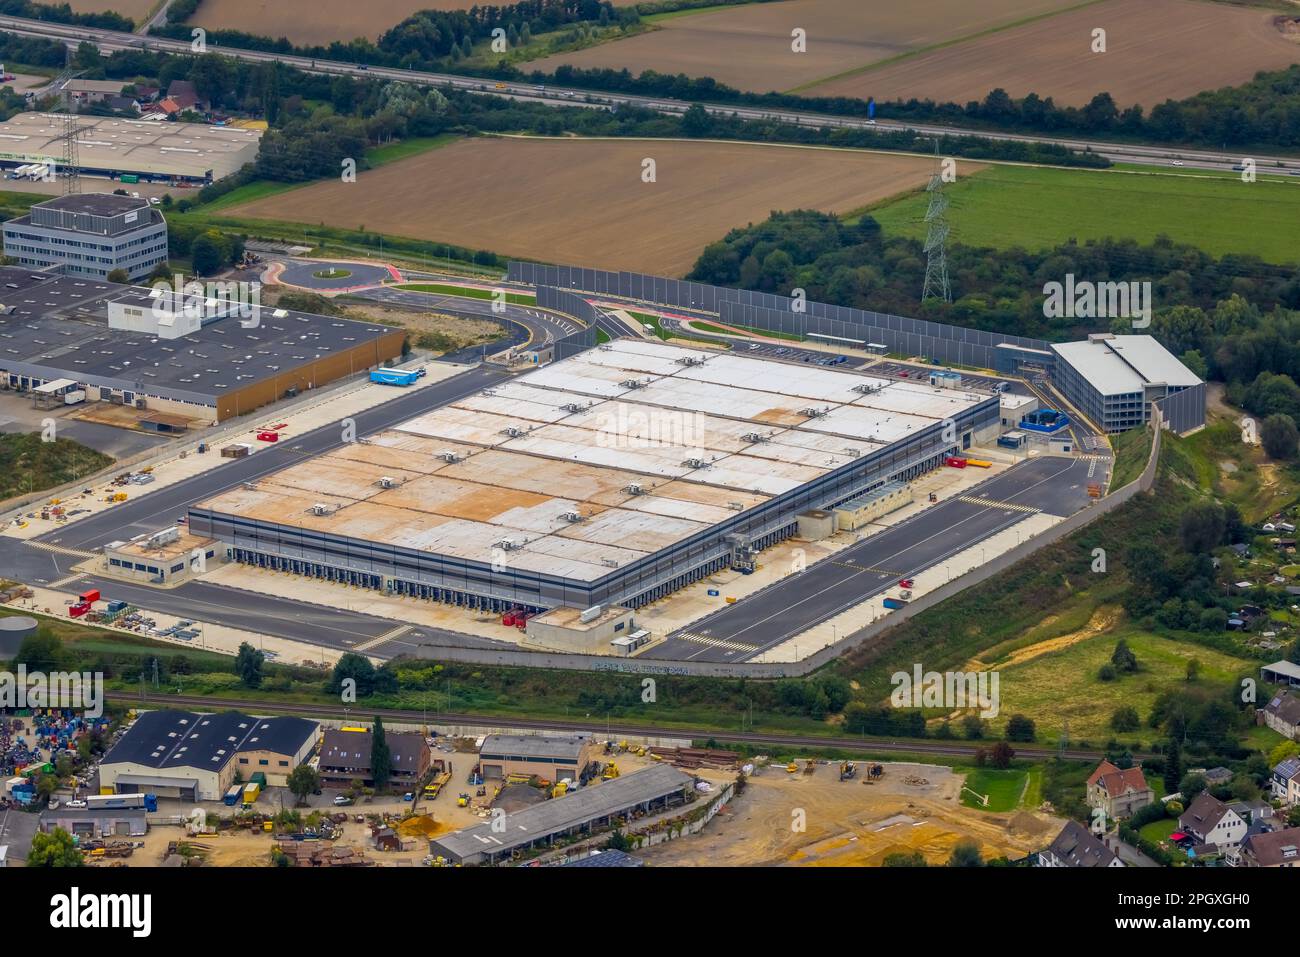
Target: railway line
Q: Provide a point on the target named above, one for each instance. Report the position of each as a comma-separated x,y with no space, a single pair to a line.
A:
869,745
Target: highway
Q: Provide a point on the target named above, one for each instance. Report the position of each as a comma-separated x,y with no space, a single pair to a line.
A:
784,609
611,728
1163,156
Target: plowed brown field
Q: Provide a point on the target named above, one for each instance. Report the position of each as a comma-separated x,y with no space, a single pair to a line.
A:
583,201
327,21
1156,49
749,47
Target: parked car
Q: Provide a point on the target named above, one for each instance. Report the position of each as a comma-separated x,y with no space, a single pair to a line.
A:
342,800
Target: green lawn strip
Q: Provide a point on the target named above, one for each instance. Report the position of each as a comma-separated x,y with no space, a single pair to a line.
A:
404,149
466,292
1031,207
700,326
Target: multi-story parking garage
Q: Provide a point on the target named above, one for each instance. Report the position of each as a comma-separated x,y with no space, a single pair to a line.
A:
615,476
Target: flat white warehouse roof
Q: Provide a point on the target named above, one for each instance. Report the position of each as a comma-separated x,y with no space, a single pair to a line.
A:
133,146
1119,365
703,434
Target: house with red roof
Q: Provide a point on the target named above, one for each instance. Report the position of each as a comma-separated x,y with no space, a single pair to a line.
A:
1118,791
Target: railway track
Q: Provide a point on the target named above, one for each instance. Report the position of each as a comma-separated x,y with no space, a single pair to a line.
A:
871,745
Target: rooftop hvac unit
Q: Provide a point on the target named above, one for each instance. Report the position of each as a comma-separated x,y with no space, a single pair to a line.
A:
167,535
754,437
572,516
867,388
736,506
630,384
386,481
591,614
448,455
506,545
609,562
853,453
813,413
696,464
691,361
576,407
320,508
513,431
634,489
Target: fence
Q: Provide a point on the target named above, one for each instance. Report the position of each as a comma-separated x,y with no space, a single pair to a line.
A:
773,313
559,300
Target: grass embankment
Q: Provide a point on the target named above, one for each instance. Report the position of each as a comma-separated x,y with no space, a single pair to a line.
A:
1132,450
28,464
1039,207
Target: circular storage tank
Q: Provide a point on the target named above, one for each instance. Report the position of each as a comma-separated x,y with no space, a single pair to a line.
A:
13,629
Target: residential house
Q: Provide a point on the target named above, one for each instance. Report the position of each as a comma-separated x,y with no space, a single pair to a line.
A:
1210,821
1119,792
1076,846
1285,781
183,94
1282,714
123,104
345,757
1272,849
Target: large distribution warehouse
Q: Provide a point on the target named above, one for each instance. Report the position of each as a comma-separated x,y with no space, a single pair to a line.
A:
615,476
194,153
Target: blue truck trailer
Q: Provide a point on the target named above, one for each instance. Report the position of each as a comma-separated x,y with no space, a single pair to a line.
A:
394,376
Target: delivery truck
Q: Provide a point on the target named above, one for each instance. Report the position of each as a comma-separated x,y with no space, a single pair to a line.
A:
394,376
895,603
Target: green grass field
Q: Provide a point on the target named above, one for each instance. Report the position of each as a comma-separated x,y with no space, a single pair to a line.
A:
1038,207
1063,685
1003,788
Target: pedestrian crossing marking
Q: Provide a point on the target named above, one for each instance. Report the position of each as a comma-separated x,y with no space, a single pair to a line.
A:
61,550
382,639
1091,457
888,572
989,503
715,642
65,580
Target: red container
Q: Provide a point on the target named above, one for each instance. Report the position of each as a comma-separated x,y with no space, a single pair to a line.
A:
89,596
268,436
955,462
508,618
76,611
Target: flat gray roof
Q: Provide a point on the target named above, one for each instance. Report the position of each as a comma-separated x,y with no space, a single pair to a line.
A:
533,746
561,814
56,327
1118,365
1284,667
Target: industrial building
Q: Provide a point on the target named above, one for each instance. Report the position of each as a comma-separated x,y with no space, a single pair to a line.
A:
650,790
89,235
550,757
166,557
194,756
1114,379
613,477
56,327
89,823
174,153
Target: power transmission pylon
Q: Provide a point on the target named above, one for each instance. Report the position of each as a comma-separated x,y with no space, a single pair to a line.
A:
71,157
936,239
